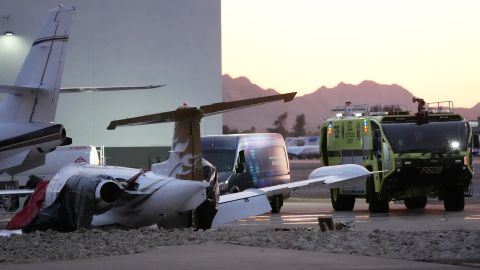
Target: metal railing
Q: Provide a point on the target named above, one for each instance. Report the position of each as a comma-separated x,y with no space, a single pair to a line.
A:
440,107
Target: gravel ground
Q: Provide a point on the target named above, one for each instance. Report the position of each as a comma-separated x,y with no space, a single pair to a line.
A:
449,246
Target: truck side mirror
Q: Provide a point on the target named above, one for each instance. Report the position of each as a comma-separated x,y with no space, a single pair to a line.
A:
241,162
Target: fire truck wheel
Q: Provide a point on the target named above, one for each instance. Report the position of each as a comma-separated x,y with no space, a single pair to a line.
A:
341,202
375,204
454,200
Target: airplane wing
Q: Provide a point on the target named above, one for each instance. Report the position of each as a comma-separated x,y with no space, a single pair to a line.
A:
334,176
255,202
16,192
235,206
107,88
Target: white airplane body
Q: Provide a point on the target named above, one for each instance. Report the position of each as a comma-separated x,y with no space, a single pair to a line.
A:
158,197
180,192
27,113
140,207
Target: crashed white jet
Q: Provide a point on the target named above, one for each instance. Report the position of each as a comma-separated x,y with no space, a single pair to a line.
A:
180,192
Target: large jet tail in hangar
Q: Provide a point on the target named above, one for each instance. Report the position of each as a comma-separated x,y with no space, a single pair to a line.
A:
34,96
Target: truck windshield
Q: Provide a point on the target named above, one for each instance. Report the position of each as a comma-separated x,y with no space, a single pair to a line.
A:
223,160
433,136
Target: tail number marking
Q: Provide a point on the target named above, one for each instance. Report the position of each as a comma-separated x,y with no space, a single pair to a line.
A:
432,170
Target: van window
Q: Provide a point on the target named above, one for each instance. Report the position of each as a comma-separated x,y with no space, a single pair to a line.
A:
269,159
223,160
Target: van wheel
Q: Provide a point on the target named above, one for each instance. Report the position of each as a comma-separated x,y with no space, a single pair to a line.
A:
341,202
276,202
415,203
375,204
454,200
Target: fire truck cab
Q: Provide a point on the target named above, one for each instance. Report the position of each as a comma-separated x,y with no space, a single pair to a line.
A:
427,154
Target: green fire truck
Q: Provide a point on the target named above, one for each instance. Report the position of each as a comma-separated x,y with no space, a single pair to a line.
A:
427,154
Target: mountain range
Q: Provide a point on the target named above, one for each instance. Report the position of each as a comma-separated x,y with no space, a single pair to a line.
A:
316,106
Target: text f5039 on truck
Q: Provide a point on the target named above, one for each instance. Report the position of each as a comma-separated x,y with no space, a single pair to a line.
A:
427,154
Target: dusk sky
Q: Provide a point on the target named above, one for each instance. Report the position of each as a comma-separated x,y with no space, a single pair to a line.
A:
430,47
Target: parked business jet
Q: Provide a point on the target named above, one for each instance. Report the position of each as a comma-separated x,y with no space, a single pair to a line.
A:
180,192
27,112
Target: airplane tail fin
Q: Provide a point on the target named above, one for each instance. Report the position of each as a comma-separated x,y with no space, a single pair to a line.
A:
41,73
185,160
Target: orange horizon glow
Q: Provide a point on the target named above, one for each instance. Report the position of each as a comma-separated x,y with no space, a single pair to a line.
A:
429,47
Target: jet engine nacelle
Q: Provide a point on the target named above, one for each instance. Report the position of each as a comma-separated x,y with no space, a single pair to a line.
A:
66,140
50,137
107,192
59,133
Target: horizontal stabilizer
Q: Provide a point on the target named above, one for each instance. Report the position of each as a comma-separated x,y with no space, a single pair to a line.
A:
18,90
186,112
107,88
222,107
235,206
144,120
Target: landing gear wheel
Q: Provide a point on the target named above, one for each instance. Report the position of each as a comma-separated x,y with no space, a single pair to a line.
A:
375,204
276,202
203,215
454,200
341,202
416,202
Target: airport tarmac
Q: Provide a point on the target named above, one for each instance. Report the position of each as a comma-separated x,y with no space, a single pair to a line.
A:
304,213
232,257
298,212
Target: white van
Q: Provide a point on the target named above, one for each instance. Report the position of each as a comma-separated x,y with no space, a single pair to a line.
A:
249,161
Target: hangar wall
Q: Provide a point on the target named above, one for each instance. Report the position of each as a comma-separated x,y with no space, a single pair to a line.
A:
122,42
